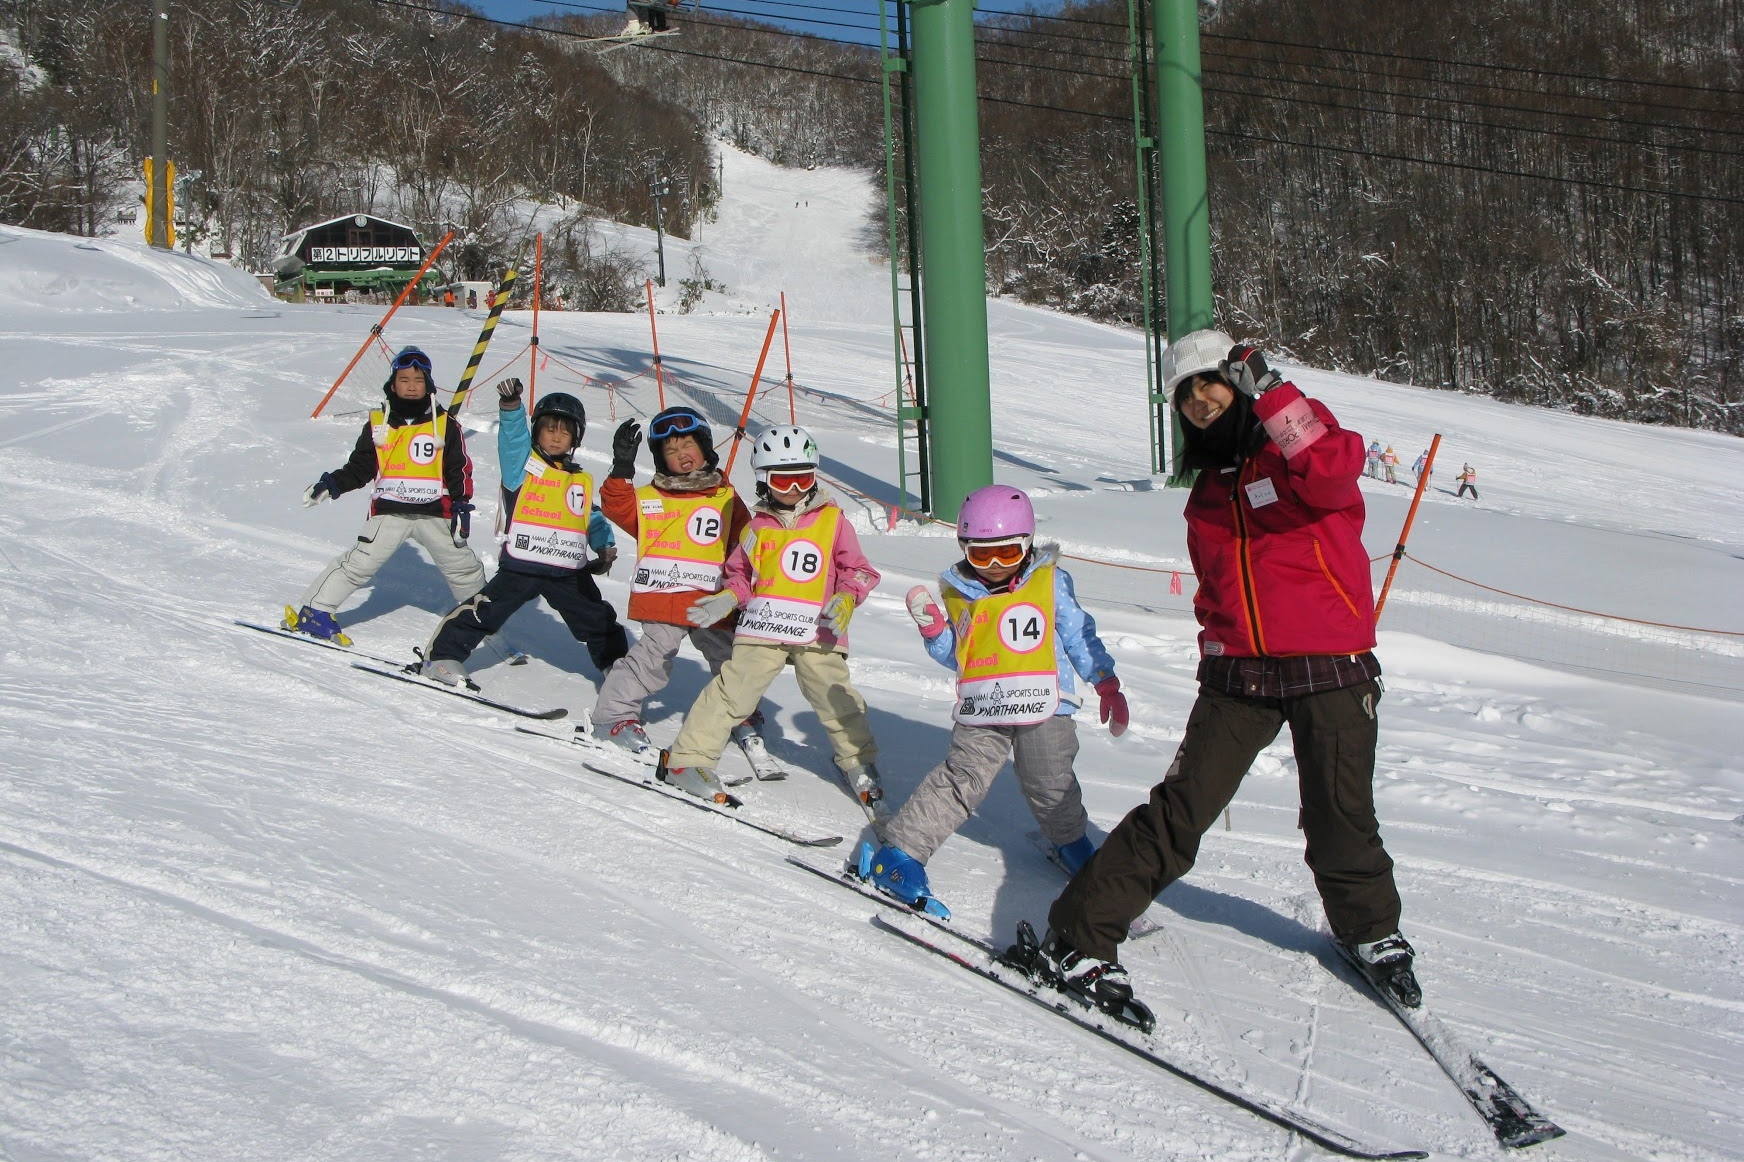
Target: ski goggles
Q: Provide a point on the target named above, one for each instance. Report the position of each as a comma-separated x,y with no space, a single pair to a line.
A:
680,424
1007,554
414,359
792,481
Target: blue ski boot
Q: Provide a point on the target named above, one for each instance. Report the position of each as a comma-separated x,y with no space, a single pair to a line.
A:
316,623
1074,855
896,873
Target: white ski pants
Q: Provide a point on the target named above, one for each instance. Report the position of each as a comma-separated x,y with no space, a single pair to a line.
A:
380,538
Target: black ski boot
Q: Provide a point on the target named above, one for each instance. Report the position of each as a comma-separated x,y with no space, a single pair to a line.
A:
1387,963
1100,984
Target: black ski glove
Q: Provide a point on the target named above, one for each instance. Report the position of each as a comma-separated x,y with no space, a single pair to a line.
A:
460,525
624,445
1247,372
509,394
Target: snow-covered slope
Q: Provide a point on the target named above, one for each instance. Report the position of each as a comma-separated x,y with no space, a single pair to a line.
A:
61,274
256,904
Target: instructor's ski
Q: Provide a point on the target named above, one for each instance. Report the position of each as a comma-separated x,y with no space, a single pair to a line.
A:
1510,1117
647,782
987,966
470,696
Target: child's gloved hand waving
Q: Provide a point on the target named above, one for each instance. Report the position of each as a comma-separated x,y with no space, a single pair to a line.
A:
322,489
509,394
924,608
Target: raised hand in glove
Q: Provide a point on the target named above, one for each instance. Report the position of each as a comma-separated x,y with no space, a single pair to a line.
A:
509,394
1247,372
1113,705
624,444
712,608
460,525
322,489
838,611
924,608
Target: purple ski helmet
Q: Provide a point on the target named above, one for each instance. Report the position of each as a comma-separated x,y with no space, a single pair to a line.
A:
995,513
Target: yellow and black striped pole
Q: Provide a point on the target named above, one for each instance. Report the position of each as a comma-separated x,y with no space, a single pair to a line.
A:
484,338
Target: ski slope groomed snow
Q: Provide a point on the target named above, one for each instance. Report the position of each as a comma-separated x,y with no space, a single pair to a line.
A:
258,905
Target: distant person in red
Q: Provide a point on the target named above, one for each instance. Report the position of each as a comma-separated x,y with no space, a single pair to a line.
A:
1287,630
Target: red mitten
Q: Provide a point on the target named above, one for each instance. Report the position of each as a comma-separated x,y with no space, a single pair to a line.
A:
926,612
1113,706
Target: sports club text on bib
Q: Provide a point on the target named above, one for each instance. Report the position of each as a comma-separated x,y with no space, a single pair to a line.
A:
681,541
791,570
409,465
549,523
1007,673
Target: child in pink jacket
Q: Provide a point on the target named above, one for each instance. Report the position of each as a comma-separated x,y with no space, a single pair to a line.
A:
795,578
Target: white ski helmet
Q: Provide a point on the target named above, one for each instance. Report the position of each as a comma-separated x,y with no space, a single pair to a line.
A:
784,448
1194,353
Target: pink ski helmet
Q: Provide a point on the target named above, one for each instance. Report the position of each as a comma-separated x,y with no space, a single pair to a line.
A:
995,513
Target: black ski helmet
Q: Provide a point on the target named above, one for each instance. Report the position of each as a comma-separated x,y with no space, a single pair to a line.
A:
415,358
565,407
681,421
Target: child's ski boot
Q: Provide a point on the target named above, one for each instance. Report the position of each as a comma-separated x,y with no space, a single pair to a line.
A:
699,781
316,623
896,873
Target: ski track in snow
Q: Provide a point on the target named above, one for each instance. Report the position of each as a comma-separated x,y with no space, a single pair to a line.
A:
254,904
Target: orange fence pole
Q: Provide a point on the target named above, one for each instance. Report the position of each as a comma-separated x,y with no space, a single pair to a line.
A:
751,394
1399,552
792,415
659,379
538,287
377,329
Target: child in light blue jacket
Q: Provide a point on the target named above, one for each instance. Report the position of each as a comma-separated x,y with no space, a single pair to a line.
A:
1012,629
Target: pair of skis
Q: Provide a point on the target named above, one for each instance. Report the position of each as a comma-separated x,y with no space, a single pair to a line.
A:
942,939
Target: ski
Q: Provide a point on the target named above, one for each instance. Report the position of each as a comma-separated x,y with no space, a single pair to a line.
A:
765,766
400,675
648,783
1141,1047
280,631
1140,927
1510,1117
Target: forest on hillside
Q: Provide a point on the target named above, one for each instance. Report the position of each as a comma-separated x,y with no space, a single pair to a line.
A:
1537,202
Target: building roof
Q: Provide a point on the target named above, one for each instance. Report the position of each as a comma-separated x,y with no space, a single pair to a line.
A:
344,218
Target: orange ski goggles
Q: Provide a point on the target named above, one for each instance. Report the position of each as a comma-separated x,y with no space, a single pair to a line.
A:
1001,554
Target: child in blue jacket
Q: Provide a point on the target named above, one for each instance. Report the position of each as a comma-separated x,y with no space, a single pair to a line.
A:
554,540
1013,630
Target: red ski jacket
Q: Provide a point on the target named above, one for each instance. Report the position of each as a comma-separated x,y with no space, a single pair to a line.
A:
1278,549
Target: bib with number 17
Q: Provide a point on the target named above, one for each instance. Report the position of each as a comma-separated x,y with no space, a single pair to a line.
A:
1006,669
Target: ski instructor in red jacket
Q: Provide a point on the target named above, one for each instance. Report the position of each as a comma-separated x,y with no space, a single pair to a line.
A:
1286,615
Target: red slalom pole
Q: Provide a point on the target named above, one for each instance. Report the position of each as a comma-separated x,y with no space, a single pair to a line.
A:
1399,552
659,379
751,393
376,330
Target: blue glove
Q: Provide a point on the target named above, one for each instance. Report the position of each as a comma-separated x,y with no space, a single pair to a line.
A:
322,489
461,523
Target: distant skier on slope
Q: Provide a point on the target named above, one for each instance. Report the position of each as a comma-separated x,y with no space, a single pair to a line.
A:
1274,528
415,453
1374,460
1010,622
554,540
1390,461
1468,481
685,521
1421,463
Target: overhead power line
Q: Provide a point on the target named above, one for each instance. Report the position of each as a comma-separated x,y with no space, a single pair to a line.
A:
658,46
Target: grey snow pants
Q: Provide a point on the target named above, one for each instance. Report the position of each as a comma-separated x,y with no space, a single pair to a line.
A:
1334,735
647,667
1041,754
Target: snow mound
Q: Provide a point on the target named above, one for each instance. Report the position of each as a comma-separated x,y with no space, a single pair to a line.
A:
68,273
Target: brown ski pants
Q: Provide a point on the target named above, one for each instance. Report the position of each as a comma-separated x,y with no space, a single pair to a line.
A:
1334,733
